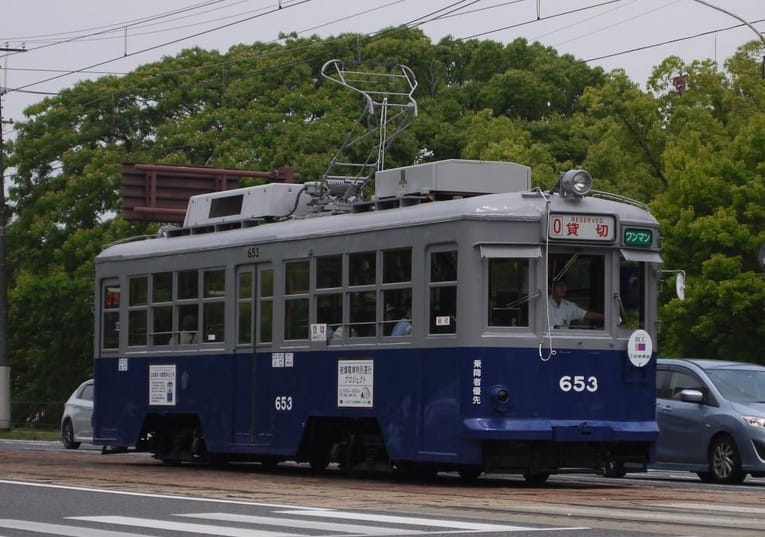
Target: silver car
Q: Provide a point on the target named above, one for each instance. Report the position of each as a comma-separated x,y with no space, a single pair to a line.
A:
76,426
711,417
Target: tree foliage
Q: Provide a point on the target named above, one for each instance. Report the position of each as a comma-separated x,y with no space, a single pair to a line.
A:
696,158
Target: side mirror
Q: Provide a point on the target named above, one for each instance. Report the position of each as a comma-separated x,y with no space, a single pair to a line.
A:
692,396
680,285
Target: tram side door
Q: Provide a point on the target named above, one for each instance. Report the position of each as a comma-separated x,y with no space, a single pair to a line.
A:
263,361
251,413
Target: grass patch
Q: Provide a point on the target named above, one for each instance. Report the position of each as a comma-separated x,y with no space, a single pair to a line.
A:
28,433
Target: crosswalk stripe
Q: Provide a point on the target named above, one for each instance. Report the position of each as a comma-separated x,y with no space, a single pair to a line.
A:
63,531
225,531
390,519
305,524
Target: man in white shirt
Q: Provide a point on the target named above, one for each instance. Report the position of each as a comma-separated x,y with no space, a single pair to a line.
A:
563,312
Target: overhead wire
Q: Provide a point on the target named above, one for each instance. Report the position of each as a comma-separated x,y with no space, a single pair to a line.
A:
82,34
452,10
167,43
23,88
670,41
433,16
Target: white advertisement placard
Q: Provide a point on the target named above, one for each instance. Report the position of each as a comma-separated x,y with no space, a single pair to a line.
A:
162,385
355,383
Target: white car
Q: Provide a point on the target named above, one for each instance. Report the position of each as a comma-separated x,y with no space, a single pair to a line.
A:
76,426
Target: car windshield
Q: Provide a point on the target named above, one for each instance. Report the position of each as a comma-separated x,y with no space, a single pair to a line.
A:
740,385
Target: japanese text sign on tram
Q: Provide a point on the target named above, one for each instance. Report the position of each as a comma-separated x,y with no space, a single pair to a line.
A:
638,237
583,227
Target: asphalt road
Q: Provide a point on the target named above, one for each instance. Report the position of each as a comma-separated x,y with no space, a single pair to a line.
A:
46,490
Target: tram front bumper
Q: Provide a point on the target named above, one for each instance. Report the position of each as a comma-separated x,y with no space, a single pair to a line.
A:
561,430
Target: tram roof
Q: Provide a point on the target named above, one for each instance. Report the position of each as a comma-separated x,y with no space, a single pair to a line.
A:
515,206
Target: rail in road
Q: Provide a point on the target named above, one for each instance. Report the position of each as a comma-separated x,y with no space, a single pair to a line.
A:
656,503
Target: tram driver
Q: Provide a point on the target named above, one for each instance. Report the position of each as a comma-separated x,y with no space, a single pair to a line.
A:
563,312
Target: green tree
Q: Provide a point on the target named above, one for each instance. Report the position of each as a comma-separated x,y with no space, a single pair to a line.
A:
712,211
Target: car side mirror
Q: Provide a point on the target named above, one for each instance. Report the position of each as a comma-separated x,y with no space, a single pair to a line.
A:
692,396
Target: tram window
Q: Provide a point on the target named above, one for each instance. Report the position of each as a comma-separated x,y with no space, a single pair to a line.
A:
162,325
245,300
443,266
508,292
267,282
296,277
137,322
110,329
397,302
585,285
162,287
443,292
295,302
138,291
363,314
397,265
632,294
188,332
188,284
138,316
362,268
266,305
329,271
329,311
213,316
214,283
296,318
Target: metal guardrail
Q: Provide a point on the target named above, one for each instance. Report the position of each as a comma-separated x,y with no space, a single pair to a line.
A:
37,415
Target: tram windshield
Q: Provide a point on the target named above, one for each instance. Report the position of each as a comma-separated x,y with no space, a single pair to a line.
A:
577,291
631,296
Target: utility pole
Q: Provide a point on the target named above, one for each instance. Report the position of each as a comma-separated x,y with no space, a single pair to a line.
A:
748,24
5,361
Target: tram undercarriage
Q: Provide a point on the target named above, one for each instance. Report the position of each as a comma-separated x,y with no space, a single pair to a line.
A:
357,447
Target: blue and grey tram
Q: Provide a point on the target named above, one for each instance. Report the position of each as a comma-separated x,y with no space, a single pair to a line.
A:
420,331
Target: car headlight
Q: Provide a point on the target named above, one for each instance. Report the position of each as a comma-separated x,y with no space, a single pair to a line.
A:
754,421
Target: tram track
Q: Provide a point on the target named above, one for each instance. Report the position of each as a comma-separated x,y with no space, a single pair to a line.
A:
666,507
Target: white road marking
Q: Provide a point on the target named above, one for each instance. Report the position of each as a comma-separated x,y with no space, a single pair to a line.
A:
207,529
391,519
63,531
296,523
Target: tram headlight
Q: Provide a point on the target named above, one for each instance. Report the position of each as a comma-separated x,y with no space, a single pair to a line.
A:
576,183
500,397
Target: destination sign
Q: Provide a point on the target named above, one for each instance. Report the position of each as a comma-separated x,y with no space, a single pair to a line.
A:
583,227
638,237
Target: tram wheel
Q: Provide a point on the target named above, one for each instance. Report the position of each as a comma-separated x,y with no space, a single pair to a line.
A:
470,473
614,469
319,460
536,478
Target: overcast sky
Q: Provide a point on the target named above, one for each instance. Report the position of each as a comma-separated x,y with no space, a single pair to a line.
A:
89,38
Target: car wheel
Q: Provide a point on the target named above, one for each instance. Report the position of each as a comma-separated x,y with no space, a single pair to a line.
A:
67,436
725,461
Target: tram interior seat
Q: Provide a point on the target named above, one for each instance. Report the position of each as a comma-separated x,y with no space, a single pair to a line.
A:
184,338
